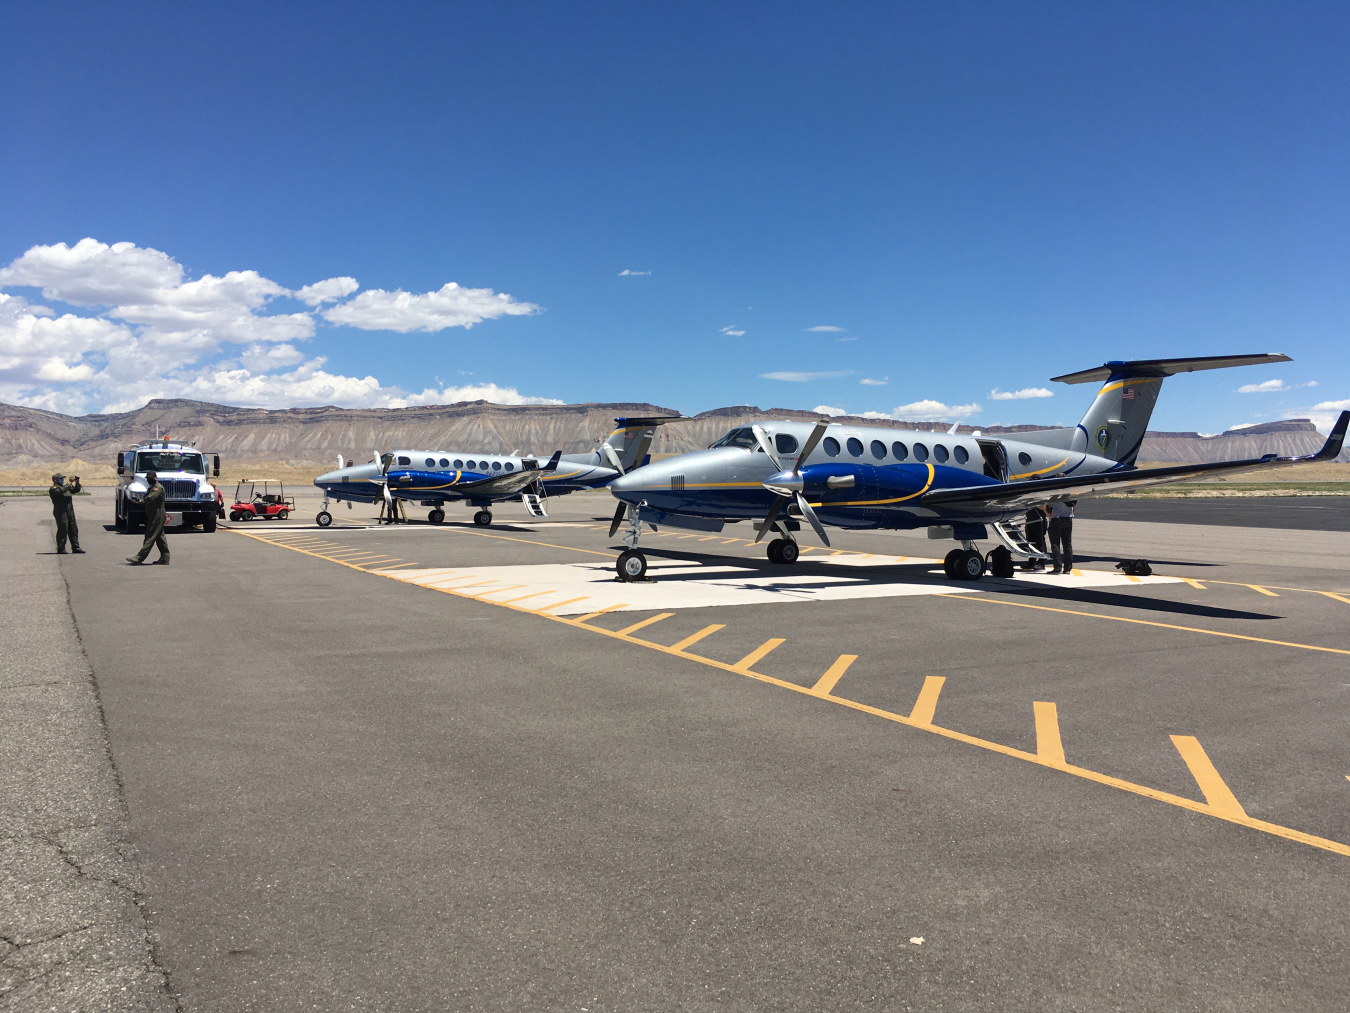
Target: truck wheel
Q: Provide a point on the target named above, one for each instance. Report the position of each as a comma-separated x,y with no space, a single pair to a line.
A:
119,522
208,523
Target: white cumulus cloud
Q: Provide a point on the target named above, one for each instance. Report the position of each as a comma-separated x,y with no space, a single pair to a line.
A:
928,411
869,382
1269,387
146,331
1019,395
731,332
826,329
1323,414
626,273
824,409
793,377
450,306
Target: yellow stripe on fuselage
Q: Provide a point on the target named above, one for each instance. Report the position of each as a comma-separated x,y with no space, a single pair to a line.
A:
1125,383
1028,474
884,502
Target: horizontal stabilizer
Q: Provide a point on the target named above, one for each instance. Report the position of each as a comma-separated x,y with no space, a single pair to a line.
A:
1166,367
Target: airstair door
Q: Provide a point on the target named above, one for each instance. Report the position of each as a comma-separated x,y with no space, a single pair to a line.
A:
995,459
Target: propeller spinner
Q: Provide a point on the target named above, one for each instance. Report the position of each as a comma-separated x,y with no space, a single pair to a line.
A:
787,485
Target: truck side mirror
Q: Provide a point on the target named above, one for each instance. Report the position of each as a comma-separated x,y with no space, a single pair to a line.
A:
215,466
121,467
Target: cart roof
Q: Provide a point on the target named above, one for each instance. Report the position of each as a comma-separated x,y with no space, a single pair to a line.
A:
275,481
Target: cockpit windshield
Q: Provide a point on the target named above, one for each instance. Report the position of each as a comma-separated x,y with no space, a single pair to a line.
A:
169,460
737,438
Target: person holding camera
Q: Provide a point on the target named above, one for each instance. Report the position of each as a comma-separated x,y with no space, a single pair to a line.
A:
154,524
63,512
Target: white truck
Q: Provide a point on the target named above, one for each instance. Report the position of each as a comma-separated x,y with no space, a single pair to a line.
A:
181,469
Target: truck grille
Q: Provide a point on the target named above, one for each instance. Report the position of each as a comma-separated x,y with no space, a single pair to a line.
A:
179,488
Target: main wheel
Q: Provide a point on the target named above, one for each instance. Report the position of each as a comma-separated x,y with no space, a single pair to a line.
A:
972,566
1001,562
436,516
208,523
323,519
951,565
483,518
788,552
773,553
283,514
631,565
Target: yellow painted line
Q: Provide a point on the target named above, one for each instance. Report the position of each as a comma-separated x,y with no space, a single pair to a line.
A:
837,552
512,601
665,534
926,705
682,537
495,590
646,622
710,538
1216,793
558,604
527,541
748,662
399,567
1144,622
608,608
1133,579
1194,583
1258,587
1077,573
730,540
825,684
1336,596
690,641
1049,748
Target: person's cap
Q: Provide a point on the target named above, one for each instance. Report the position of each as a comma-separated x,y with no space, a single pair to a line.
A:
152,476
58,478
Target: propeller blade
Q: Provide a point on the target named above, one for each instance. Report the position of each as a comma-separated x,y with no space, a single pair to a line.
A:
607,452
619,512
810,515
778,504
763,439
810,445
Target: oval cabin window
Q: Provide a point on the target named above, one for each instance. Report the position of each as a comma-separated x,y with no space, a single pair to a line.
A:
878,450
855,446
899,450
831,446
920,452
940,452
961,455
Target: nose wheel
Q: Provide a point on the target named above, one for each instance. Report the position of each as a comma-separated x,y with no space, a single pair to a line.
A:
631,565
436,516
782,550
323,519
483,518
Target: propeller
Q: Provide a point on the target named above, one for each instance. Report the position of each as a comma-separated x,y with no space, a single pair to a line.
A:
384,461
607,452
788,484
619,512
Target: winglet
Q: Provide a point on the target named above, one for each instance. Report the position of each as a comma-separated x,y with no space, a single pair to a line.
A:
553,461
1332,448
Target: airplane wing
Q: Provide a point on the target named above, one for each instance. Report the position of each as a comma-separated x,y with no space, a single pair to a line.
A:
512,483
1025,494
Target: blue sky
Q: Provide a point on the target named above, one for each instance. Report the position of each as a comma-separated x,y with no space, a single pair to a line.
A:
978,196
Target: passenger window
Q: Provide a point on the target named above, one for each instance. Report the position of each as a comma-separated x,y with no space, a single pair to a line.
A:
496,465
785,443
510,466
459,465
831,446
482,466
899,450
878,450
1025,458
961,455
431,462
444,463
855,446
940,452
405,461
920,452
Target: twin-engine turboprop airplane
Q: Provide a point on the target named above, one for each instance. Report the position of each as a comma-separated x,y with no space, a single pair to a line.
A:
436,477
957,486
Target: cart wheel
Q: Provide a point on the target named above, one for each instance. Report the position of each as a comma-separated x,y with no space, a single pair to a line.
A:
235,517
324,519
283,514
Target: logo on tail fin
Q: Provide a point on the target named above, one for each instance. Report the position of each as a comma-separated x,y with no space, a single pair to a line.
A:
1103,437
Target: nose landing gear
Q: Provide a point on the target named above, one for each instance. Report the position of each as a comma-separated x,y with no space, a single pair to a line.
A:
632,564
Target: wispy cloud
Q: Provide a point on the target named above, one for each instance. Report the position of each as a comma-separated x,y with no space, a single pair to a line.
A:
845,339
794,377
1020,395
1269,387
928,411
869,382
626,273
826,329
824,409
732,332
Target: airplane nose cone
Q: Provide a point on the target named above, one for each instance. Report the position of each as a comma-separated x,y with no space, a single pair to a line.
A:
328,478
629,486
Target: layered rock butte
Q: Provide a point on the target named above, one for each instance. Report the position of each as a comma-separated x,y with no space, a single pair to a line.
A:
30,436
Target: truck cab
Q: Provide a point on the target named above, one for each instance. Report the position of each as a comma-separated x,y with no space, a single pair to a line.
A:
189,497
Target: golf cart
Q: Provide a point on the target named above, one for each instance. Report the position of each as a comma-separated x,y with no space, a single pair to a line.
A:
261,499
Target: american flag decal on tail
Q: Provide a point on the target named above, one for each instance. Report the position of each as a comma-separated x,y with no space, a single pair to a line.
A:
1128,395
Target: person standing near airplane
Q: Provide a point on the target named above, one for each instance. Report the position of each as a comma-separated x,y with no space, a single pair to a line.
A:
154,524
1061,534
1035,532
63,512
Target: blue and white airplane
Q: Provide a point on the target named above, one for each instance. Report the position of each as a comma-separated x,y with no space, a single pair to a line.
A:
956,486
436,477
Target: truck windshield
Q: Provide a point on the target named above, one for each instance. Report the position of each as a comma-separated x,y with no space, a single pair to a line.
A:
169,460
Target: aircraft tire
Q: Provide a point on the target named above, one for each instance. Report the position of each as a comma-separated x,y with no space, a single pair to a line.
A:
436,516
772,550
971,566
631,565
483,518
788,552
951,565
323,519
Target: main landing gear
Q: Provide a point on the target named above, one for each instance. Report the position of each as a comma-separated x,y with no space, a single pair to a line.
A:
483,518
967,564
783,550
436,516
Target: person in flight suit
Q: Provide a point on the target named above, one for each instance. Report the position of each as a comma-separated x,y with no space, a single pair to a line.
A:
63,511
154,524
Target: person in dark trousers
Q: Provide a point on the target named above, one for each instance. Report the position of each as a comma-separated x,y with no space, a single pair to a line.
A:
154,524
1061,534
63,512
1035,532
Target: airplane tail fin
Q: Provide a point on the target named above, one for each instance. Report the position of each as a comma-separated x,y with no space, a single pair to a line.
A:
626,448
1115,424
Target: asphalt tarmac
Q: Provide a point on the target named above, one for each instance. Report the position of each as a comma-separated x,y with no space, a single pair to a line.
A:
1301,513
394,769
